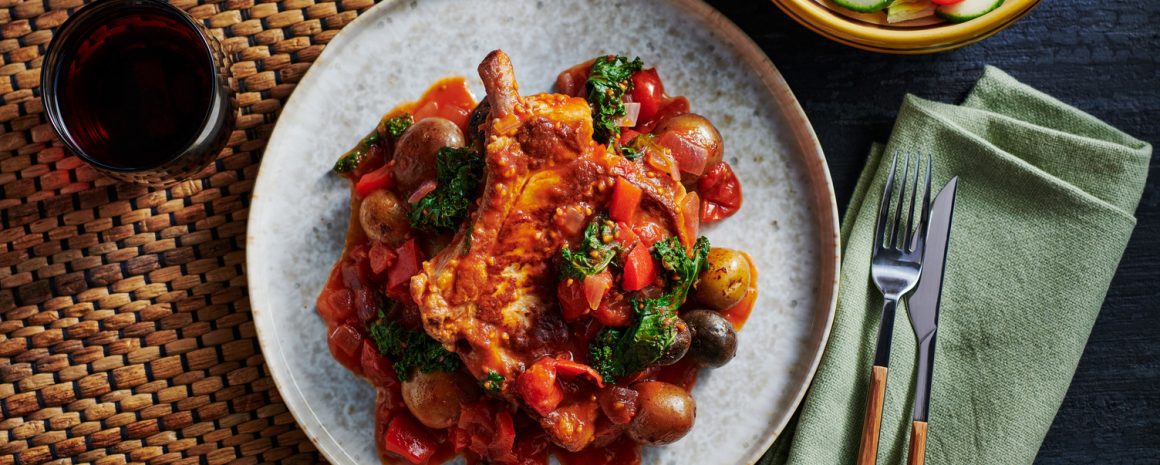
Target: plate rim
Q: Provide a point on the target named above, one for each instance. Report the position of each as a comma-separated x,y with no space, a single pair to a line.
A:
824,203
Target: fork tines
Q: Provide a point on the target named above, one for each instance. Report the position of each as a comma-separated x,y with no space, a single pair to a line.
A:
911,239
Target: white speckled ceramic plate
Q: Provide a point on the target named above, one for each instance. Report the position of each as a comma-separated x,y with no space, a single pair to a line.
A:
394,51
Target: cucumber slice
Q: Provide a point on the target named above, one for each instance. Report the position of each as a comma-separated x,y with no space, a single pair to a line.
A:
967,10
865,6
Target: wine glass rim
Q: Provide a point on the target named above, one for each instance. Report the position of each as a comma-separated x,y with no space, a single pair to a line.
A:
59,52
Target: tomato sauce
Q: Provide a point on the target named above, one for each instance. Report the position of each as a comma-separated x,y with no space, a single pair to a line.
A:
621,452
348,303
448,98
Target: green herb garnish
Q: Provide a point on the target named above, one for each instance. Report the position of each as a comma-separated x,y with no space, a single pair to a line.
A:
460,175
682,268
618,352
398,125
608,80
410,349
493,383
350,160
392,126
596,251
636,147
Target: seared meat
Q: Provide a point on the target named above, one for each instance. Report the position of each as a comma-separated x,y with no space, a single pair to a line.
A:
490,295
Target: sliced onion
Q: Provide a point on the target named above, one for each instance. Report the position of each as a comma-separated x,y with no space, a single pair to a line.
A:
422,191
595,286
632,111
661,159
690,225
691,155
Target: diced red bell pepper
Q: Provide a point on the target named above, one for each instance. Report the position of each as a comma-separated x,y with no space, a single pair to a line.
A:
616,313
345,345
570,293
382,178
505,435
475,428
335,305
409,440
639,269
595,286
537,386
625,200
380,257
690,224
487,429
624,233
650,233
366,306
375,367
408,264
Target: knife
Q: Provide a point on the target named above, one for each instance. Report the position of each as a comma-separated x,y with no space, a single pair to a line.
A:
923,308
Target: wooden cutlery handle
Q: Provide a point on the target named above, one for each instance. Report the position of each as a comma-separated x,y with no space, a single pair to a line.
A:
872,423
917,453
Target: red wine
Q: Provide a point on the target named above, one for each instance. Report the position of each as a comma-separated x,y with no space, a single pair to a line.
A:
136,85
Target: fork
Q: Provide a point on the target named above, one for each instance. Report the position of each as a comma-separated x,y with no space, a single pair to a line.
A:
895,267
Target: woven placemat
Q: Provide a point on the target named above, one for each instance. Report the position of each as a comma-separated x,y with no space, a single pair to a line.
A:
125,327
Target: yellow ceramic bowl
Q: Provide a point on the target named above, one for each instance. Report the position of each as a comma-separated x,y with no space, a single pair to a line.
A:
845,27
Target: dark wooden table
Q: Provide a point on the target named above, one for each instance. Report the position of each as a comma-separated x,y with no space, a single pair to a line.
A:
1102,56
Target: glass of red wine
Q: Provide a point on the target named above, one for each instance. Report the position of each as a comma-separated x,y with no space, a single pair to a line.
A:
139,90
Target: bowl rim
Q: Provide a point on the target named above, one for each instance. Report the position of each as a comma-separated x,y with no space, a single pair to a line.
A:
834,25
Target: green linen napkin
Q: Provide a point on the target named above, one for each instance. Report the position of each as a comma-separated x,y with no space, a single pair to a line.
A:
1044,210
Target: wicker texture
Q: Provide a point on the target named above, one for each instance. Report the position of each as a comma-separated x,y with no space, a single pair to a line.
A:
125,328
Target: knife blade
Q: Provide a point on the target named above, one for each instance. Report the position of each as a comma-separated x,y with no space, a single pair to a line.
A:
923,306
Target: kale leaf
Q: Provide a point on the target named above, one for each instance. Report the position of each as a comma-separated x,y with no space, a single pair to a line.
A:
398,125
603,354
608,80
636,147
596,251
410,349
616,353
392,126
682,268
350,160
459,177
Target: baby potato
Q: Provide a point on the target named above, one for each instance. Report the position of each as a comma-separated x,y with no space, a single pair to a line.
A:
694,130
384,218
434,398
725,281
665,413
714,342
415,151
